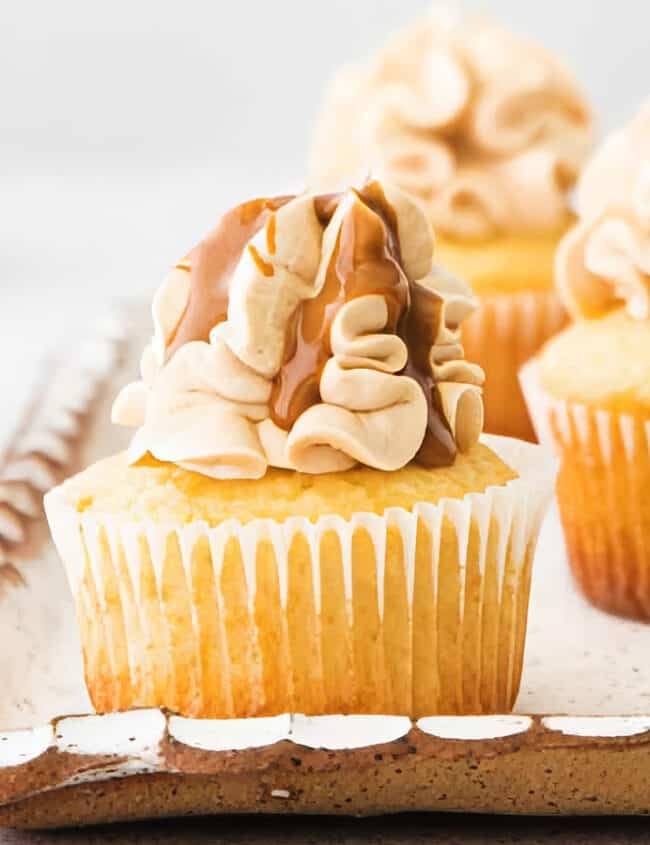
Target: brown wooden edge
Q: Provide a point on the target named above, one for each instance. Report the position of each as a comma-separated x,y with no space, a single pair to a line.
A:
540,771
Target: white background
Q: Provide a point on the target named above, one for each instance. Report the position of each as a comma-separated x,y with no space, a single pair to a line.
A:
126,126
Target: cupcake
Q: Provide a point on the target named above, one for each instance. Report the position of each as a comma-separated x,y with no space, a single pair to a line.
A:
489,131
589,389
306,519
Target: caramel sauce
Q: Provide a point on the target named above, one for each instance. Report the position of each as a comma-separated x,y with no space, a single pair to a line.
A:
366,260
263,266
270,235
212,264
418,329
325,205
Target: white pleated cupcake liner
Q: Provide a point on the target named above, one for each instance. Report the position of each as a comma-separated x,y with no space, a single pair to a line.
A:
560,423
528,316
602,494
522,500
506,331
517,507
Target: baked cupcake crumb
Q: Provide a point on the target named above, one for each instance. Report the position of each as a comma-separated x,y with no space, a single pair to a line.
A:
166,493
603,362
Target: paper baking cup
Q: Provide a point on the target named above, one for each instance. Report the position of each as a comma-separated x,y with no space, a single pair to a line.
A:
603,493
410,612
505,332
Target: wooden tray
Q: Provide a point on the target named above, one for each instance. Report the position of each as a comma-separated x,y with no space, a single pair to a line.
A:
579,742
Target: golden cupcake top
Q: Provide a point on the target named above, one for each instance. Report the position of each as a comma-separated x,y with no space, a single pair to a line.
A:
603,263
486,127
133,492
312,333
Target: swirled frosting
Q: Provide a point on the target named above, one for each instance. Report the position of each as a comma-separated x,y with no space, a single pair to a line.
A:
603,263
487,128
311,333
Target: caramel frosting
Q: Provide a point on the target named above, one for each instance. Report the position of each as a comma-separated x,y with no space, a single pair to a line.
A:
311,333
486,128
603,263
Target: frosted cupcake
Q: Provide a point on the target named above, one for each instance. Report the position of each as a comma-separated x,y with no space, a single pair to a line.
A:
305,520
489,131
589,390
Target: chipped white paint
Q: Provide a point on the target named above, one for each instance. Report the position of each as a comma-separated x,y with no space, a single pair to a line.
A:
474,727
19,747
229,734
137,734
598,726
280,793
132,766
339,732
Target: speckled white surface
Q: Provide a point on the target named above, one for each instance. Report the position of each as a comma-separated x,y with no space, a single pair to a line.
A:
17,747
135,734
579,660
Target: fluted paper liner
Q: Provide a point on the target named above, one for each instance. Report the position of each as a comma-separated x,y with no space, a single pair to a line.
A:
603,494
503,334
411,612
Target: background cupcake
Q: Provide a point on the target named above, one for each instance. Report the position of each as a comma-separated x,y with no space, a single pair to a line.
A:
306,520
589,390
489,131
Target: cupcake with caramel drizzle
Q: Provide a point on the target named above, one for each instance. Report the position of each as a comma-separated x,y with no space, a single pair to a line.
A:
305,519
329,308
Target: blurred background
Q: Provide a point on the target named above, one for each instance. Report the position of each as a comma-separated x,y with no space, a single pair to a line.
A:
126,127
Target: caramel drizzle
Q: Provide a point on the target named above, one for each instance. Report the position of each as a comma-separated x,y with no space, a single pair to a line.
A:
211,265
418,329
366,260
